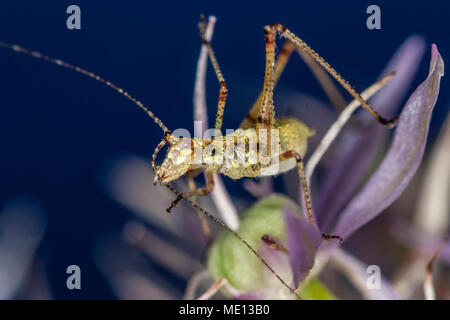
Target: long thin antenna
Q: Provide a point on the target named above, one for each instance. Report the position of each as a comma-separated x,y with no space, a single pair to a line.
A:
222,224
61,63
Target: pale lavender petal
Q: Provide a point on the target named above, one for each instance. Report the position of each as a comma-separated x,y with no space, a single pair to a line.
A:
417,240
403,158
224,204
433,206
200,109
359,144
131,275
303,241
277,259
356,271
405,63
271,288
444,255
22,226
352,163
128,180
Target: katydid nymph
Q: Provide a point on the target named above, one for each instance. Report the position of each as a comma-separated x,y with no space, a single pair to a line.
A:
237,155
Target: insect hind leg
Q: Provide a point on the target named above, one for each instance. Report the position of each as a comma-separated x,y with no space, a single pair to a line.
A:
286,33
306,193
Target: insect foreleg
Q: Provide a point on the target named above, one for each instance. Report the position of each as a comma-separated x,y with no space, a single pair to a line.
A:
168,138
223,92
206,189
192,187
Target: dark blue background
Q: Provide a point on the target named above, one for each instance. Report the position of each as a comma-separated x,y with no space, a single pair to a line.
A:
57,128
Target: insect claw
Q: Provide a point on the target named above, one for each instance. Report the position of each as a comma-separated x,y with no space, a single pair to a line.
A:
389,123
393,122
172,205
175,203
331,237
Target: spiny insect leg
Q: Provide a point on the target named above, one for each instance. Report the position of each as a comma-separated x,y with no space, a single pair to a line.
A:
306,193
266,112
327,84
304,184
192,187
158,148
284,32
209,186
223,92
274,244
329,237
280,64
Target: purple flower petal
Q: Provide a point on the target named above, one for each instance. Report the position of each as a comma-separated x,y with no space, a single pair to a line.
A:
405,63
303,241
419,241
358,146
356,272
403,158
200,109
444,255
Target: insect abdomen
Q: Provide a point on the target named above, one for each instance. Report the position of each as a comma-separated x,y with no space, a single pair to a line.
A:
293,135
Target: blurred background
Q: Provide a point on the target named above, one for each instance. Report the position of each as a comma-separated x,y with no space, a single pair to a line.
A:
61,133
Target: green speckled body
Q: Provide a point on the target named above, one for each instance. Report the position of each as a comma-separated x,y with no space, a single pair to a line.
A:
239,159
293,136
